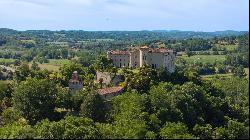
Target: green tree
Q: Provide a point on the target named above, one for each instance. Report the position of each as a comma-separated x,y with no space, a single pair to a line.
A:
203,131
239,71
129,116
5,90
35,99
68,128
233,130
10,116
35,66
103,64
175,131
17,131
67,70
22,72
93,106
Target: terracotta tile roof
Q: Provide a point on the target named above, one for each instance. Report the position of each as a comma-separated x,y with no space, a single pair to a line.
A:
120,52
109,90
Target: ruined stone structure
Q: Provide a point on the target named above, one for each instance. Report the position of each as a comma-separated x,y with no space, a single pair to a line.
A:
106,78
154,57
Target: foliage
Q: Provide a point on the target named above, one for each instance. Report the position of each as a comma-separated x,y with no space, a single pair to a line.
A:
93,106
68,128
233,130
17,131
35,99
203,131
175,131
10,116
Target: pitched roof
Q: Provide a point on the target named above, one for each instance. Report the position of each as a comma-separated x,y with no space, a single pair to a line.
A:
110,90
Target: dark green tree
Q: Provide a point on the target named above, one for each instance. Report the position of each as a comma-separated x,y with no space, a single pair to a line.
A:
35,99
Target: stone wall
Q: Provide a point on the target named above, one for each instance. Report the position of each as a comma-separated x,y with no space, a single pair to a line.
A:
108,78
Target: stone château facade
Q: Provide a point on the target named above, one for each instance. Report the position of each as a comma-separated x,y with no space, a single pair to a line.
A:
154,57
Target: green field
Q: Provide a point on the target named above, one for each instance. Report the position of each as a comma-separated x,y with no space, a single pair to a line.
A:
227,47
204,58
58,61
54,64
135,70
6,60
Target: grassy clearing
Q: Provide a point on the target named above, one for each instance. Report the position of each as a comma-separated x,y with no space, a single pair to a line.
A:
53,65
6,60
49,67
204,58
209,77
4,82
58,62
227,47
134,70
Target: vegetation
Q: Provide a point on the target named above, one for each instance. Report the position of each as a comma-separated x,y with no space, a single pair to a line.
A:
206,98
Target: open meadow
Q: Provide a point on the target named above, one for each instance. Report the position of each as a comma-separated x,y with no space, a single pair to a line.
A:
204,58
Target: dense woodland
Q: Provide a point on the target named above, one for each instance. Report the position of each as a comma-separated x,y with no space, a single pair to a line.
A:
36,103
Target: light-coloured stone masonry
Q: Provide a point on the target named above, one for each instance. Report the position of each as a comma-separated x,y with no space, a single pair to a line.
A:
154,57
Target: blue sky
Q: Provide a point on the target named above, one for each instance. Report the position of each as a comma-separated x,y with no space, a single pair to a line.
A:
93,15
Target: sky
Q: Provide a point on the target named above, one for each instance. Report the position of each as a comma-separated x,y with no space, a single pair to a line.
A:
132,15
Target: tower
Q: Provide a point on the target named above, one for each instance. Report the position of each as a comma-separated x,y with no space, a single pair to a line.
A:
74,83
144,55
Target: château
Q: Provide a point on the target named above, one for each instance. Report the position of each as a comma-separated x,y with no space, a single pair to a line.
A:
154,57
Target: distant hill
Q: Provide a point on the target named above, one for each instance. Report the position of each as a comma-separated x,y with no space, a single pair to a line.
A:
119,35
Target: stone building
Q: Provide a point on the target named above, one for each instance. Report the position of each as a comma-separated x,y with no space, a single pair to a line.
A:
154,57
75,83
107,78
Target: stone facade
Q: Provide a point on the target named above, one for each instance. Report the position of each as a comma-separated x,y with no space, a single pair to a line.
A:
107,78
154,57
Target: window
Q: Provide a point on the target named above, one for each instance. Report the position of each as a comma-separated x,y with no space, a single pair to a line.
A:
120,59
152,66
120,64
128,64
